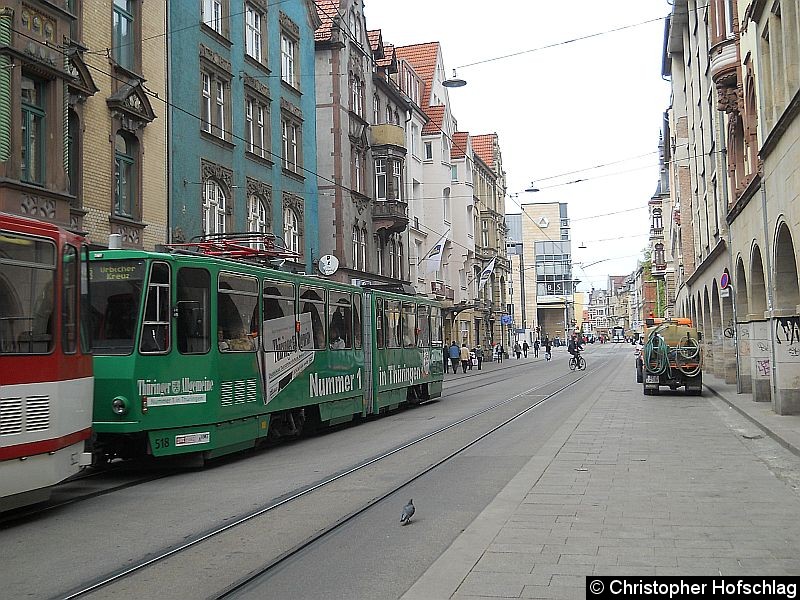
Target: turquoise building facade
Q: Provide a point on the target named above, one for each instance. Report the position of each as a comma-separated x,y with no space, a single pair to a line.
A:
242,130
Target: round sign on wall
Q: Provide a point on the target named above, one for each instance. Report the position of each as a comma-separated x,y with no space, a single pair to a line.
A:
724,280
506,319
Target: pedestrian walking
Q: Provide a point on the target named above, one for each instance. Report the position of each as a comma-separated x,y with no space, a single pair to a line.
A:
501,353
479,355
536,349
525,348
455,355
548,349
517,350
464,355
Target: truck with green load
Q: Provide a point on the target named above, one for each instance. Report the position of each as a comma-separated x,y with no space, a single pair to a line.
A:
670,356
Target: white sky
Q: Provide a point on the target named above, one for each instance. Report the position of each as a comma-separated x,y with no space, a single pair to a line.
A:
557,110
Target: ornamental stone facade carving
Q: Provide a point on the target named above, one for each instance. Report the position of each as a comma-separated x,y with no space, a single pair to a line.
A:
216,59
255,85
38,207
218,173
292,109
289,26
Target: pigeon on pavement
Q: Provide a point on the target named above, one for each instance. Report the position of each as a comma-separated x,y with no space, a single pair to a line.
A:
408,512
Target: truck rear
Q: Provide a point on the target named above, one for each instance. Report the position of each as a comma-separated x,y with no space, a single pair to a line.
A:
671,356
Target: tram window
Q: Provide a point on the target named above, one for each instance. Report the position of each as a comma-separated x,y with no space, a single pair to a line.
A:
115,293
436,326
340,320
312,301
357,321
155,326
393,324
278,300
409,325
423,326
237,301
193,329
69,299
27,288
380,323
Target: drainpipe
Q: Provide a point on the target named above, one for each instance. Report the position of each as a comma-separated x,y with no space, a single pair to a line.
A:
770,299
6,15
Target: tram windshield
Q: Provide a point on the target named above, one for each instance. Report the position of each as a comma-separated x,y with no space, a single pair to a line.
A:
116,294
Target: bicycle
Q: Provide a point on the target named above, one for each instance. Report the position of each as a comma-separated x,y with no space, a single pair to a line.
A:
577,362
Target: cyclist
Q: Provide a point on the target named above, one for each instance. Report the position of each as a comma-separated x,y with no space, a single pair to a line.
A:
575,346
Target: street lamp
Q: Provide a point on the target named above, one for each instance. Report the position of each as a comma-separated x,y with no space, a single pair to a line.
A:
454,82
532,188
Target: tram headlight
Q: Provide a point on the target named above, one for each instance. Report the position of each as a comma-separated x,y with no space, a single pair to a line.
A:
119,405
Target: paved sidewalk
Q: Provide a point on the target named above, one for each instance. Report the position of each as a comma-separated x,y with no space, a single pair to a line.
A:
632,485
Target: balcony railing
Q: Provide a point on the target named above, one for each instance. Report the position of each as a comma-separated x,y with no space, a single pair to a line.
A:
391,215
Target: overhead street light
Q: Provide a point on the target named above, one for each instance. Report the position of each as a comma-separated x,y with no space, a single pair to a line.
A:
454,81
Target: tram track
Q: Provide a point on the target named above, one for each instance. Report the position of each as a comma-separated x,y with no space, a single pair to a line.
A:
287,502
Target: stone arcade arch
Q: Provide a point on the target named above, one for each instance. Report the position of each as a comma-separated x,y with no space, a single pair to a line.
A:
760,356
743,329
785,324
708,331
717,325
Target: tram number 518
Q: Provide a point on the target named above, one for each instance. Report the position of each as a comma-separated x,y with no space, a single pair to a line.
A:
161,443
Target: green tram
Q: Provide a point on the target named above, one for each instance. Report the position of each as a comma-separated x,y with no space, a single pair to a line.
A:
210,355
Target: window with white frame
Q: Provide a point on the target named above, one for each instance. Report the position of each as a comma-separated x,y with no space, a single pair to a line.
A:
414,140
454,172
356,95
215,107
376,110
379,255
363,243
446,205
380,179
485,233
219,109
388,113
291,136
392,258
205,109
253,32
257,221
399,259
214,15
291,230
356,246
288,62
428,150
396,179
213,208
256,120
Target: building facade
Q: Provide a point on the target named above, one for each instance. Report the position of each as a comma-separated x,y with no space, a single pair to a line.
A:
73,136
242,148
361,151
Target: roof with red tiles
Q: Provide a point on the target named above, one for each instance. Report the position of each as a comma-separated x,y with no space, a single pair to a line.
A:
483,145
388,56
460,143
327,11
436,116
375,39
423,58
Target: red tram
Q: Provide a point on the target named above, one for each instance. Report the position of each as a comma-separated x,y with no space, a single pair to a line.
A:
46,381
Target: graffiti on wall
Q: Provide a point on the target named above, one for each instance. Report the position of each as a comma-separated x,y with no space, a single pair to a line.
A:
762,367
787,329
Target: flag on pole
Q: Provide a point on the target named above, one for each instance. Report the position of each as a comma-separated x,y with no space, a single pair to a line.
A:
486,274
434,257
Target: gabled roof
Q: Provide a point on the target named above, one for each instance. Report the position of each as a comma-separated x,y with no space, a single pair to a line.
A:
389,57
436,116
460,142
423,57
484,145
327,11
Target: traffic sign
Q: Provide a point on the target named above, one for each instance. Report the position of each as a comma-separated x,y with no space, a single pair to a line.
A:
724,280
506,319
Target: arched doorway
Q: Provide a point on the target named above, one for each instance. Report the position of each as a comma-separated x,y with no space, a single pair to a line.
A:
760,337
786,325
